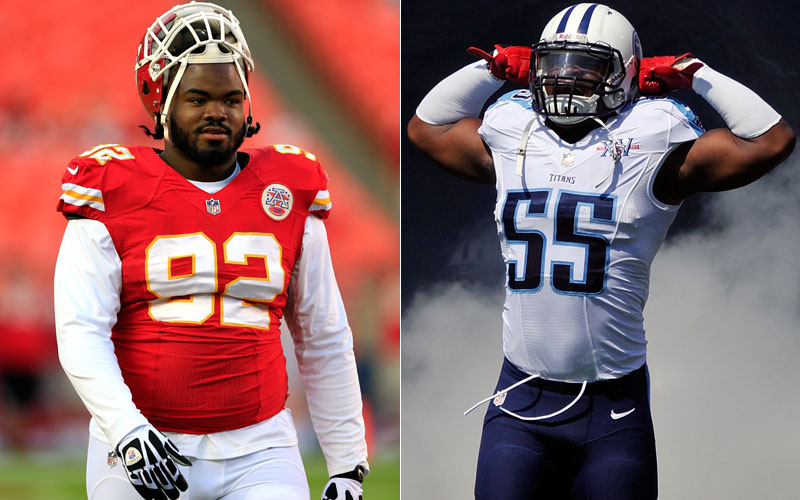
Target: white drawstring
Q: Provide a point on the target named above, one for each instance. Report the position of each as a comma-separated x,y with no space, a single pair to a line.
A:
498,393
542,417
526,133
523,146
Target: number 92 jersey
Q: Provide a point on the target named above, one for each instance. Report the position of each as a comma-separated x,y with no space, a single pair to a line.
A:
578,232
204,278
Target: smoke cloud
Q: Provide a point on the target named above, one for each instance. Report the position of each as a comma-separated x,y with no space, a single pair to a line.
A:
723,355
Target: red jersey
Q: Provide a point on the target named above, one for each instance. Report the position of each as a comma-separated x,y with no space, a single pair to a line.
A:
204,278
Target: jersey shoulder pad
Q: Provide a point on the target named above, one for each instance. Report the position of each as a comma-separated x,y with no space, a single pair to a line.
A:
681,113
504,121
299,170
92,175
519,97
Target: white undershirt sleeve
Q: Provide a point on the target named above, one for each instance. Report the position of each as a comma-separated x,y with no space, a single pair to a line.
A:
323,344
745,113
460,95
87,283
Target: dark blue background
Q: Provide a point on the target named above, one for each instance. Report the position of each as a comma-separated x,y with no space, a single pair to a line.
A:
448,232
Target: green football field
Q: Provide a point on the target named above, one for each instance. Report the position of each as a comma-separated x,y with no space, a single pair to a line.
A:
38,478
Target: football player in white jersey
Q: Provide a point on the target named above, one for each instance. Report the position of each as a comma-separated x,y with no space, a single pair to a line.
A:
589,177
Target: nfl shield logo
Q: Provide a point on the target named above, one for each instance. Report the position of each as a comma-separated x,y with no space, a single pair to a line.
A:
276,200
500,399
212,206
112,459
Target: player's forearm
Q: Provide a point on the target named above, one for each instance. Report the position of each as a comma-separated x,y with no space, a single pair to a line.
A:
324,349
460,95
86,291
760,137
334,403
745,113
328,369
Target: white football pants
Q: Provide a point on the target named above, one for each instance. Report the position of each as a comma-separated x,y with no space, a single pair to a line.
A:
272,474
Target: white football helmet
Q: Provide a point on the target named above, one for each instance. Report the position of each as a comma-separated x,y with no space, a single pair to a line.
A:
586,64
192,33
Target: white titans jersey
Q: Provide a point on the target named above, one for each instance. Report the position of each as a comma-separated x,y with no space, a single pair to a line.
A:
578,232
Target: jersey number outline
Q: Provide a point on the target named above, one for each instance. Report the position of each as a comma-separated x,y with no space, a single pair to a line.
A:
191,296
104,153
568,204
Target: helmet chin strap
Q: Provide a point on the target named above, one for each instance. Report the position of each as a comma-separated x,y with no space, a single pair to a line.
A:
579,104
173,86
249,121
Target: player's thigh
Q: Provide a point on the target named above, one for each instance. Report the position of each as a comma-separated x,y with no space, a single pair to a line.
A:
106,478
272,474
513,463
621,466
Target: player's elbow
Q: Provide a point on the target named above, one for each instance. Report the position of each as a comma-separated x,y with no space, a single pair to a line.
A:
761,154
783,142
418,131
775,145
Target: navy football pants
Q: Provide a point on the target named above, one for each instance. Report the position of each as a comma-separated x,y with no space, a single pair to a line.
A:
584,453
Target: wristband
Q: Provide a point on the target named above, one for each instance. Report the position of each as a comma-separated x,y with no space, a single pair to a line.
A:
460,95
744,112
357,474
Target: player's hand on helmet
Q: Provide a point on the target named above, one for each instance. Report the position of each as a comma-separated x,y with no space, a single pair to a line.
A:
659,75
507,63
339,488
149,459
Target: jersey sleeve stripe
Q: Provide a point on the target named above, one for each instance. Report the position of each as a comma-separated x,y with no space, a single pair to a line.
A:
322,198
321,202
81,196
317,207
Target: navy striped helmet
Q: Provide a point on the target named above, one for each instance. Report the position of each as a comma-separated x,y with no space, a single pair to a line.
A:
586,64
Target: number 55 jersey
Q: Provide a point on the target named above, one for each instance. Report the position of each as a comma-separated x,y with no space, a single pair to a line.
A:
579,226
204,278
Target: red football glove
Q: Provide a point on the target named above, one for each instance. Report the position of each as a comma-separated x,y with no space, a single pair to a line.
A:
659,75
509,63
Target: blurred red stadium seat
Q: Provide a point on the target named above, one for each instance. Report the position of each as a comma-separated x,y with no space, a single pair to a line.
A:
355,46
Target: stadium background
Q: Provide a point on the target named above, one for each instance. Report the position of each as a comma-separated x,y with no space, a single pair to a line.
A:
725,289
326,79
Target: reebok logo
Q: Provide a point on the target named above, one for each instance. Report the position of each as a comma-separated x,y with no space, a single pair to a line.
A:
617,416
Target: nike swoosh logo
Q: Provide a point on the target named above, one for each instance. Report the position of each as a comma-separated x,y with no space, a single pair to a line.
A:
73,171
617,416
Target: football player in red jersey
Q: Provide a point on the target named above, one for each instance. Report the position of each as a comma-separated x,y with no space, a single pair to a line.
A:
175,270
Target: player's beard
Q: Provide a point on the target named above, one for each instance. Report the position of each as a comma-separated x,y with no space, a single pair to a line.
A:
211,156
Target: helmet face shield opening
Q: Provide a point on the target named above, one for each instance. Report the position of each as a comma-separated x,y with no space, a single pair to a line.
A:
581,73
572,81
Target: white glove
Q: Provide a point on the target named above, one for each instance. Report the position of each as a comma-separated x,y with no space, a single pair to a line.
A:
339,488
149,459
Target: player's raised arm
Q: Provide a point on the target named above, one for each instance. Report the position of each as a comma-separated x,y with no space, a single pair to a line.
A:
757,138
446,123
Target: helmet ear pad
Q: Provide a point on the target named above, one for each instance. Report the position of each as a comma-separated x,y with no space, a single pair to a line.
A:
151,92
